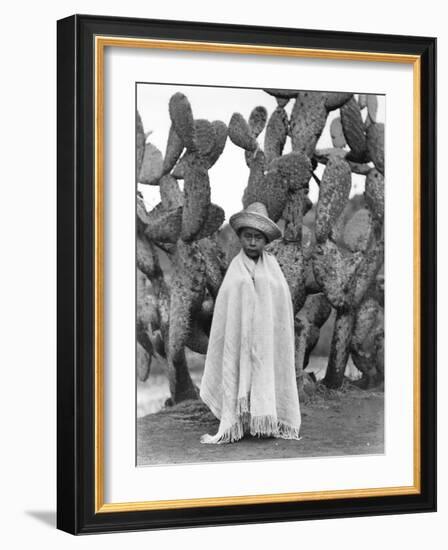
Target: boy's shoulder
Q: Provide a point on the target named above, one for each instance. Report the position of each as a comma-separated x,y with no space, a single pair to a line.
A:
270,254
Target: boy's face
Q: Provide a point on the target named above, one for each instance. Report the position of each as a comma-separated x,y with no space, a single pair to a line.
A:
252,241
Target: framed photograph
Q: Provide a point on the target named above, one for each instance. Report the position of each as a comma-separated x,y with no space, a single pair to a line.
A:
246,274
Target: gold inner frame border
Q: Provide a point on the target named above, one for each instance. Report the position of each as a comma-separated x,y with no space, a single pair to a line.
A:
100,43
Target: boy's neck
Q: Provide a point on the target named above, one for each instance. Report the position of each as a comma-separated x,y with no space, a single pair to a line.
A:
252,258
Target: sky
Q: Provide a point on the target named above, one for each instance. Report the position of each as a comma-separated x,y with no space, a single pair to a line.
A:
229,176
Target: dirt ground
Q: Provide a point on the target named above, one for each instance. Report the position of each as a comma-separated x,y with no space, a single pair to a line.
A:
334,423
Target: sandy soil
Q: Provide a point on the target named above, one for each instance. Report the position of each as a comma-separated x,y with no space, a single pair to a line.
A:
334,423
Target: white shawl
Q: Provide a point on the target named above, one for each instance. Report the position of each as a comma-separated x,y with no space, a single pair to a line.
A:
249,380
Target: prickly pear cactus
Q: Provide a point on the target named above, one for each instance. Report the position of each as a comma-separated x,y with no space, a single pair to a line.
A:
180,228
347,254
335,265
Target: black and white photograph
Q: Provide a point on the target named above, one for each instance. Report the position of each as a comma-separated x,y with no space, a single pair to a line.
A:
222,238
259,273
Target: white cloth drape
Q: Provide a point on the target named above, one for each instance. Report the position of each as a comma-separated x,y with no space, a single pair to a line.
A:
249,378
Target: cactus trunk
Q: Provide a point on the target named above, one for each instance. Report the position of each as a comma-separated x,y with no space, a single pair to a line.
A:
340,348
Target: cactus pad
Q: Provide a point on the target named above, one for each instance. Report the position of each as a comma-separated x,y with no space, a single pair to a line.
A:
240,134
308,118
282,101
196,199
174,148
142,215
147,312
285,94
257,120
219,142
335,100
291,261
197,339
295,168
293,216
362,101
367,272
375,145
187,290
274,194
147,260
182,119
178,171
337,133
164,225
363,345
139,142
360,168
214,220
366,317
276,133
358,231
372,106
152,165
307,204
353,127
143,363
215,266
323,155
256,190
307,242
374,193
170,193
335,272
204,136
316,309
333,195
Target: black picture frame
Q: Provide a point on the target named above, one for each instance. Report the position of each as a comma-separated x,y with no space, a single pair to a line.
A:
76,508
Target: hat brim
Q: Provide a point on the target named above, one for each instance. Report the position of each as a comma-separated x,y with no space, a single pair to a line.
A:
256,221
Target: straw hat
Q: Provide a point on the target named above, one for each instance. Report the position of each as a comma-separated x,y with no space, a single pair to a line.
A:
256,216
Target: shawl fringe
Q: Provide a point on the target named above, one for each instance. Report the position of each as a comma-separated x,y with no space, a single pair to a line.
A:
257,426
